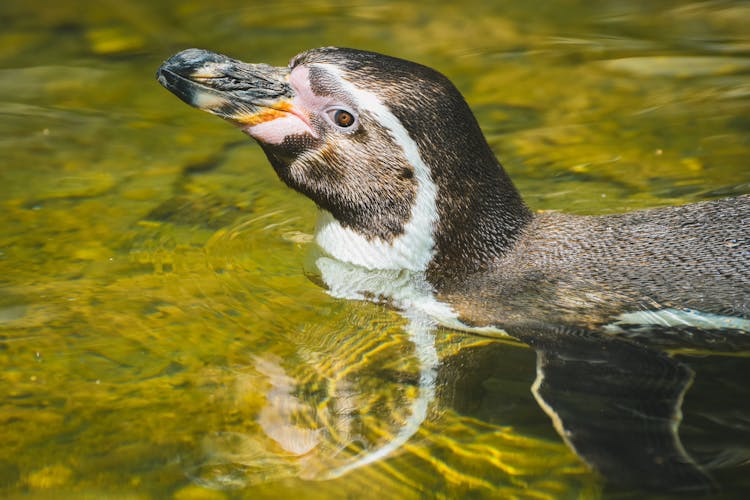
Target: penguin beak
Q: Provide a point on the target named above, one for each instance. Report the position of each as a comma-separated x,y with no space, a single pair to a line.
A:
244,94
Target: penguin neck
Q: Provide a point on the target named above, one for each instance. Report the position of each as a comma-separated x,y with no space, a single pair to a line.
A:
459,225
478,212
466,213
480,216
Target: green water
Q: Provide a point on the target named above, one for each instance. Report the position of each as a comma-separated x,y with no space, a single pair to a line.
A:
155,320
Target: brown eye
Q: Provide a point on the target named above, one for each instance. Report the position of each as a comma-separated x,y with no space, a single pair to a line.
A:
343,118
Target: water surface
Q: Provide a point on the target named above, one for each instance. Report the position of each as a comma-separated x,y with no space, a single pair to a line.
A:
158,336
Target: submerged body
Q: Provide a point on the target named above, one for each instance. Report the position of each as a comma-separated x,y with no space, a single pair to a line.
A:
590,271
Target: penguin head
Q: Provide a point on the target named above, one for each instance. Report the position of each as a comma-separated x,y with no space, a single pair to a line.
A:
373,140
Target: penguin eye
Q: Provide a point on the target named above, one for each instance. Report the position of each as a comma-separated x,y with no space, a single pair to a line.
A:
342,118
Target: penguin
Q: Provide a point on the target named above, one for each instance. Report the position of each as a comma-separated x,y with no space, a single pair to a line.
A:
407,185
416,211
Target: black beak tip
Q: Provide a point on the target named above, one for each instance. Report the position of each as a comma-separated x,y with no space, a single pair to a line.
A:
181,64
189,60
195,72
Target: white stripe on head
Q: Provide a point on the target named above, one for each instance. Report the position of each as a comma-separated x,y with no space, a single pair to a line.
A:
414,248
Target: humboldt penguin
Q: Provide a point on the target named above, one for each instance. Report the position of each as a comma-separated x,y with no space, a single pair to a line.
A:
415,210
405,181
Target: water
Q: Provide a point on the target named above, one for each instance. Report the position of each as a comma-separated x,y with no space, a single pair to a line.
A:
158,336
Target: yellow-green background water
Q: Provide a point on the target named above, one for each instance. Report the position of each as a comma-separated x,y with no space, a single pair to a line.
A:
153,305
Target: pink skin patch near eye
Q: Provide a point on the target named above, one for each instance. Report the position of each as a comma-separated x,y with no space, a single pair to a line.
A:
274,131
272,126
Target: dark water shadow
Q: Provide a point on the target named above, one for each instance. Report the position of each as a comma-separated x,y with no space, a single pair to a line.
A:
644,419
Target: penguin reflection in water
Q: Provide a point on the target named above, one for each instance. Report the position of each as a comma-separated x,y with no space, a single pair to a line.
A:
416,210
